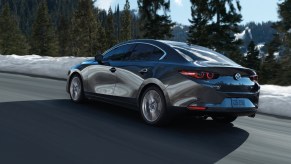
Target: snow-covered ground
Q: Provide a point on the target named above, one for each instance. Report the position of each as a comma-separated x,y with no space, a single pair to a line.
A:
273,99
55,67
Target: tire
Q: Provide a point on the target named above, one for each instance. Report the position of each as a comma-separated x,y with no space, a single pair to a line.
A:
76,90
225,119
153,107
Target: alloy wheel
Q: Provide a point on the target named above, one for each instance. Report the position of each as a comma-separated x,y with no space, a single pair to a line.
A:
152,106
76,88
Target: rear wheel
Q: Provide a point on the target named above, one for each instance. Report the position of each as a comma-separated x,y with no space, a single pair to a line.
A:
76,89
225,119
153,107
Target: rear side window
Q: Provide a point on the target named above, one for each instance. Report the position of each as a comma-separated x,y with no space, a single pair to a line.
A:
195,54
146,52
119,53
189,56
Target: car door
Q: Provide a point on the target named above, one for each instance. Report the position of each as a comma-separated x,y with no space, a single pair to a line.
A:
102,77
137,66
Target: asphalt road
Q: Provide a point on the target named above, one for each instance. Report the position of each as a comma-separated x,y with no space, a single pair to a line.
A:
39,124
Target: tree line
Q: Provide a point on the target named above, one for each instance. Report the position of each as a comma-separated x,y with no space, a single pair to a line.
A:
78,28
62,28
275,66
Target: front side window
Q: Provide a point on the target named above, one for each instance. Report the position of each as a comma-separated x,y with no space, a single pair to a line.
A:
146,52
119,53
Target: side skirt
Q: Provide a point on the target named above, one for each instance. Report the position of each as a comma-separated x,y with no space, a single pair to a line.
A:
130,103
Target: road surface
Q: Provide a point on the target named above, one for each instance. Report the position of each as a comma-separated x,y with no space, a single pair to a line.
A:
39,124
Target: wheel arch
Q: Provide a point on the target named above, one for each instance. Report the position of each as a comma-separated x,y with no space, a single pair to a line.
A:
152,82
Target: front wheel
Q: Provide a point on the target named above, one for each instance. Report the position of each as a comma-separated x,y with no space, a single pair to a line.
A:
153,107
76,89
225,119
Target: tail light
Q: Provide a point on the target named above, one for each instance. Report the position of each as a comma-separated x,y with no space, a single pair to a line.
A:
254,78
200,75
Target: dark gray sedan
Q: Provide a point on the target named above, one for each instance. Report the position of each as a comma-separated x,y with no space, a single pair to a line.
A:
163,78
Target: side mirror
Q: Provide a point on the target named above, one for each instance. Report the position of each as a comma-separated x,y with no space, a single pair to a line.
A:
99,59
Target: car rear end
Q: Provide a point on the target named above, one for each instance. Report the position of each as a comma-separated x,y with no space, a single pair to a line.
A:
212,85
223,90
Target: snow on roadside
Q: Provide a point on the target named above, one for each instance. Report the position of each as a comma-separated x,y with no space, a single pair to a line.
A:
56,67
273,99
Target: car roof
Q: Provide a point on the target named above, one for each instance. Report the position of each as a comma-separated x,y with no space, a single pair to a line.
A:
170,48
185,45
169,43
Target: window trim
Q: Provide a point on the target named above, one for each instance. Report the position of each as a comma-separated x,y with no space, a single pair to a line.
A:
117,46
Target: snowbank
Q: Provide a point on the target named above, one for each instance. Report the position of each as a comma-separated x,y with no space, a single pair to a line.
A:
273,99
56,67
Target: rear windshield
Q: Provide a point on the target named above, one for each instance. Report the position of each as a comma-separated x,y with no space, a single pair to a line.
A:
191,53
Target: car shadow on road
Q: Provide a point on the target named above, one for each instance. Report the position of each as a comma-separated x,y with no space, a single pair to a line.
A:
60,131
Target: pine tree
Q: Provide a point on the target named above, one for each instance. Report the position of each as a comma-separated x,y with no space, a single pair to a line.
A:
213,25
102,38
252,59
64,38
12,41
279,71
111,39
201,16
101,16
117,23
126,22
135,31
270,66
85,30
43,39
155,26
284,25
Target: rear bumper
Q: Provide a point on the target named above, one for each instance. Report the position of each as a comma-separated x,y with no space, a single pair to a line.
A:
231,111
216,111
229,106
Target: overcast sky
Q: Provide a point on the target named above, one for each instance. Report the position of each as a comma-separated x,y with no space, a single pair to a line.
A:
252,10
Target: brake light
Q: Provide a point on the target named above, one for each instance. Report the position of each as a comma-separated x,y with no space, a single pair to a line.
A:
199,75
254,78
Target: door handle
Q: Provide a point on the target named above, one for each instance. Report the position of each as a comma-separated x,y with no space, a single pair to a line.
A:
112,69
144,70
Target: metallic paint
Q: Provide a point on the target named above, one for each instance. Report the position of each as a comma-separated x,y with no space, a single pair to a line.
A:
127,82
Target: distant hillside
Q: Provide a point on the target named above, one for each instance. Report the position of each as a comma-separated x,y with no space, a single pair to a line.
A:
180,33
260,33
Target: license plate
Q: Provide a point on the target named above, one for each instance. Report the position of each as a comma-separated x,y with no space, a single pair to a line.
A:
238,103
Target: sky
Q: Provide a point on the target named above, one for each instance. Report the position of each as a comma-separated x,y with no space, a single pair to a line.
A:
252,10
